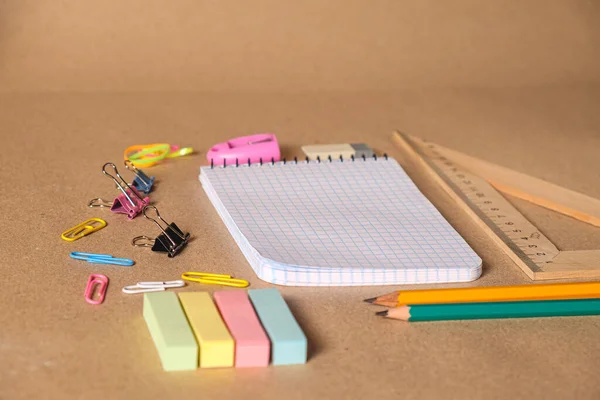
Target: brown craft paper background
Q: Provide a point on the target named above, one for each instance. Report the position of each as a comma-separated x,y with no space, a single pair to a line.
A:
513,82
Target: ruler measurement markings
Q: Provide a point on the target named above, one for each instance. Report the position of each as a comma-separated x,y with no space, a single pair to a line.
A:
484,202
517,230
455,181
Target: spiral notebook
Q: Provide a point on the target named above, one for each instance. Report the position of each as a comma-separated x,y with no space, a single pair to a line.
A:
337,223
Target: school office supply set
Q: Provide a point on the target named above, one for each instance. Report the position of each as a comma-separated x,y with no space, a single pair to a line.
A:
131,201
337,221
345,217
239,329
475,186
190,330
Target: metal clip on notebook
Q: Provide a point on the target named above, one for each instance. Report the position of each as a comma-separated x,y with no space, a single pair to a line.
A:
130,201
141,182
171,241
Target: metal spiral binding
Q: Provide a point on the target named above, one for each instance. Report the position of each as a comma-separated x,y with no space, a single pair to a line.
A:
295,161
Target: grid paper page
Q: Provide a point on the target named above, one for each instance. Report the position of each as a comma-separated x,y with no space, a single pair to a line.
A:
337,223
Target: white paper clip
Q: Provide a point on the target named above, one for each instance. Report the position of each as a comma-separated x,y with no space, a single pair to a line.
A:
144,287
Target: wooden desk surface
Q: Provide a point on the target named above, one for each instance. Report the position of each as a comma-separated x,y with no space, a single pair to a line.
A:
55,345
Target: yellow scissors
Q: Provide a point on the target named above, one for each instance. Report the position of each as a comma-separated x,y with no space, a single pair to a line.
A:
214,279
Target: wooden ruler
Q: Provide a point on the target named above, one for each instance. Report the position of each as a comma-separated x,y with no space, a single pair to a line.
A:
475,184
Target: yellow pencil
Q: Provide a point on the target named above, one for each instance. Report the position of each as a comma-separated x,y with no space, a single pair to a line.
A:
555,291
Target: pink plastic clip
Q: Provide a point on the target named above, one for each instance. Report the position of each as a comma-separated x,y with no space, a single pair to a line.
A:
99,281
130,202
262,147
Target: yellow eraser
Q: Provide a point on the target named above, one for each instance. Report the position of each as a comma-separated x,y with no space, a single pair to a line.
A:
325,150
335,151
216,345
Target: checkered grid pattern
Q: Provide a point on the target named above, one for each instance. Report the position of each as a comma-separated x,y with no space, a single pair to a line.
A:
337,223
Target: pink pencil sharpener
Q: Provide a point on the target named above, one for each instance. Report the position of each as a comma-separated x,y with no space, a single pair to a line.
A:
262,147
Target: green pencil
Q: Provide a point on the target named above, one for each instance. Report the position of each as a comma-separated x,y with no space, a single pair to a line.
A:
493,310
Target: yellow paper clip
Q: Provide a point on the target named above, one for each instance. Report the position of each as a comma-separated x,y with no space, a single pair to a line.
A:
83,229
214,279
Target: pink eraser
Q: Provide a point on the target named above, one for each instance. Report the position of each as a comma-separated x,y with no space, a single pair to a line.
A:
252,346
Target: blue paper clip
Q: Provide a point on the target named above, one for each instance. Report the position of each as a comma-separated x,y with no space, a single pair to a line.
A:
101,259
141,182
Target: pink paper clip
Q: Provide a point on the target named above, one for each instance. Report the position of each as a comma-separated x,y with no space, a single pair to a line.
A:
96,283
130,201
251,149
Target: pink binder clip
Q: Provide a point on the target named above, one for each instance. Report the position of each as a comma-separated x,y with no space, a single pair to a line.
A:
96,283
251,149
130,201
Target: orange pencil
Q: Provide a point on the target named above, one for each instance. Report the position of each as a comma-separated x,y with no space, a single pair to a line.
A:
555,291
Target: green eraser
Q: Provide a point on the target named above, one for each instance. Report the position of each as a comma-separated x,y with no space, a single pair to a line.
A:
170,331
288,342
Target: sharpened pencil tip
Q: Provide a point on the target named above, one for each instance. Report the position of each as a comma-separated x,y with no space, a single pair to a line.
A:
371,300
382,313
